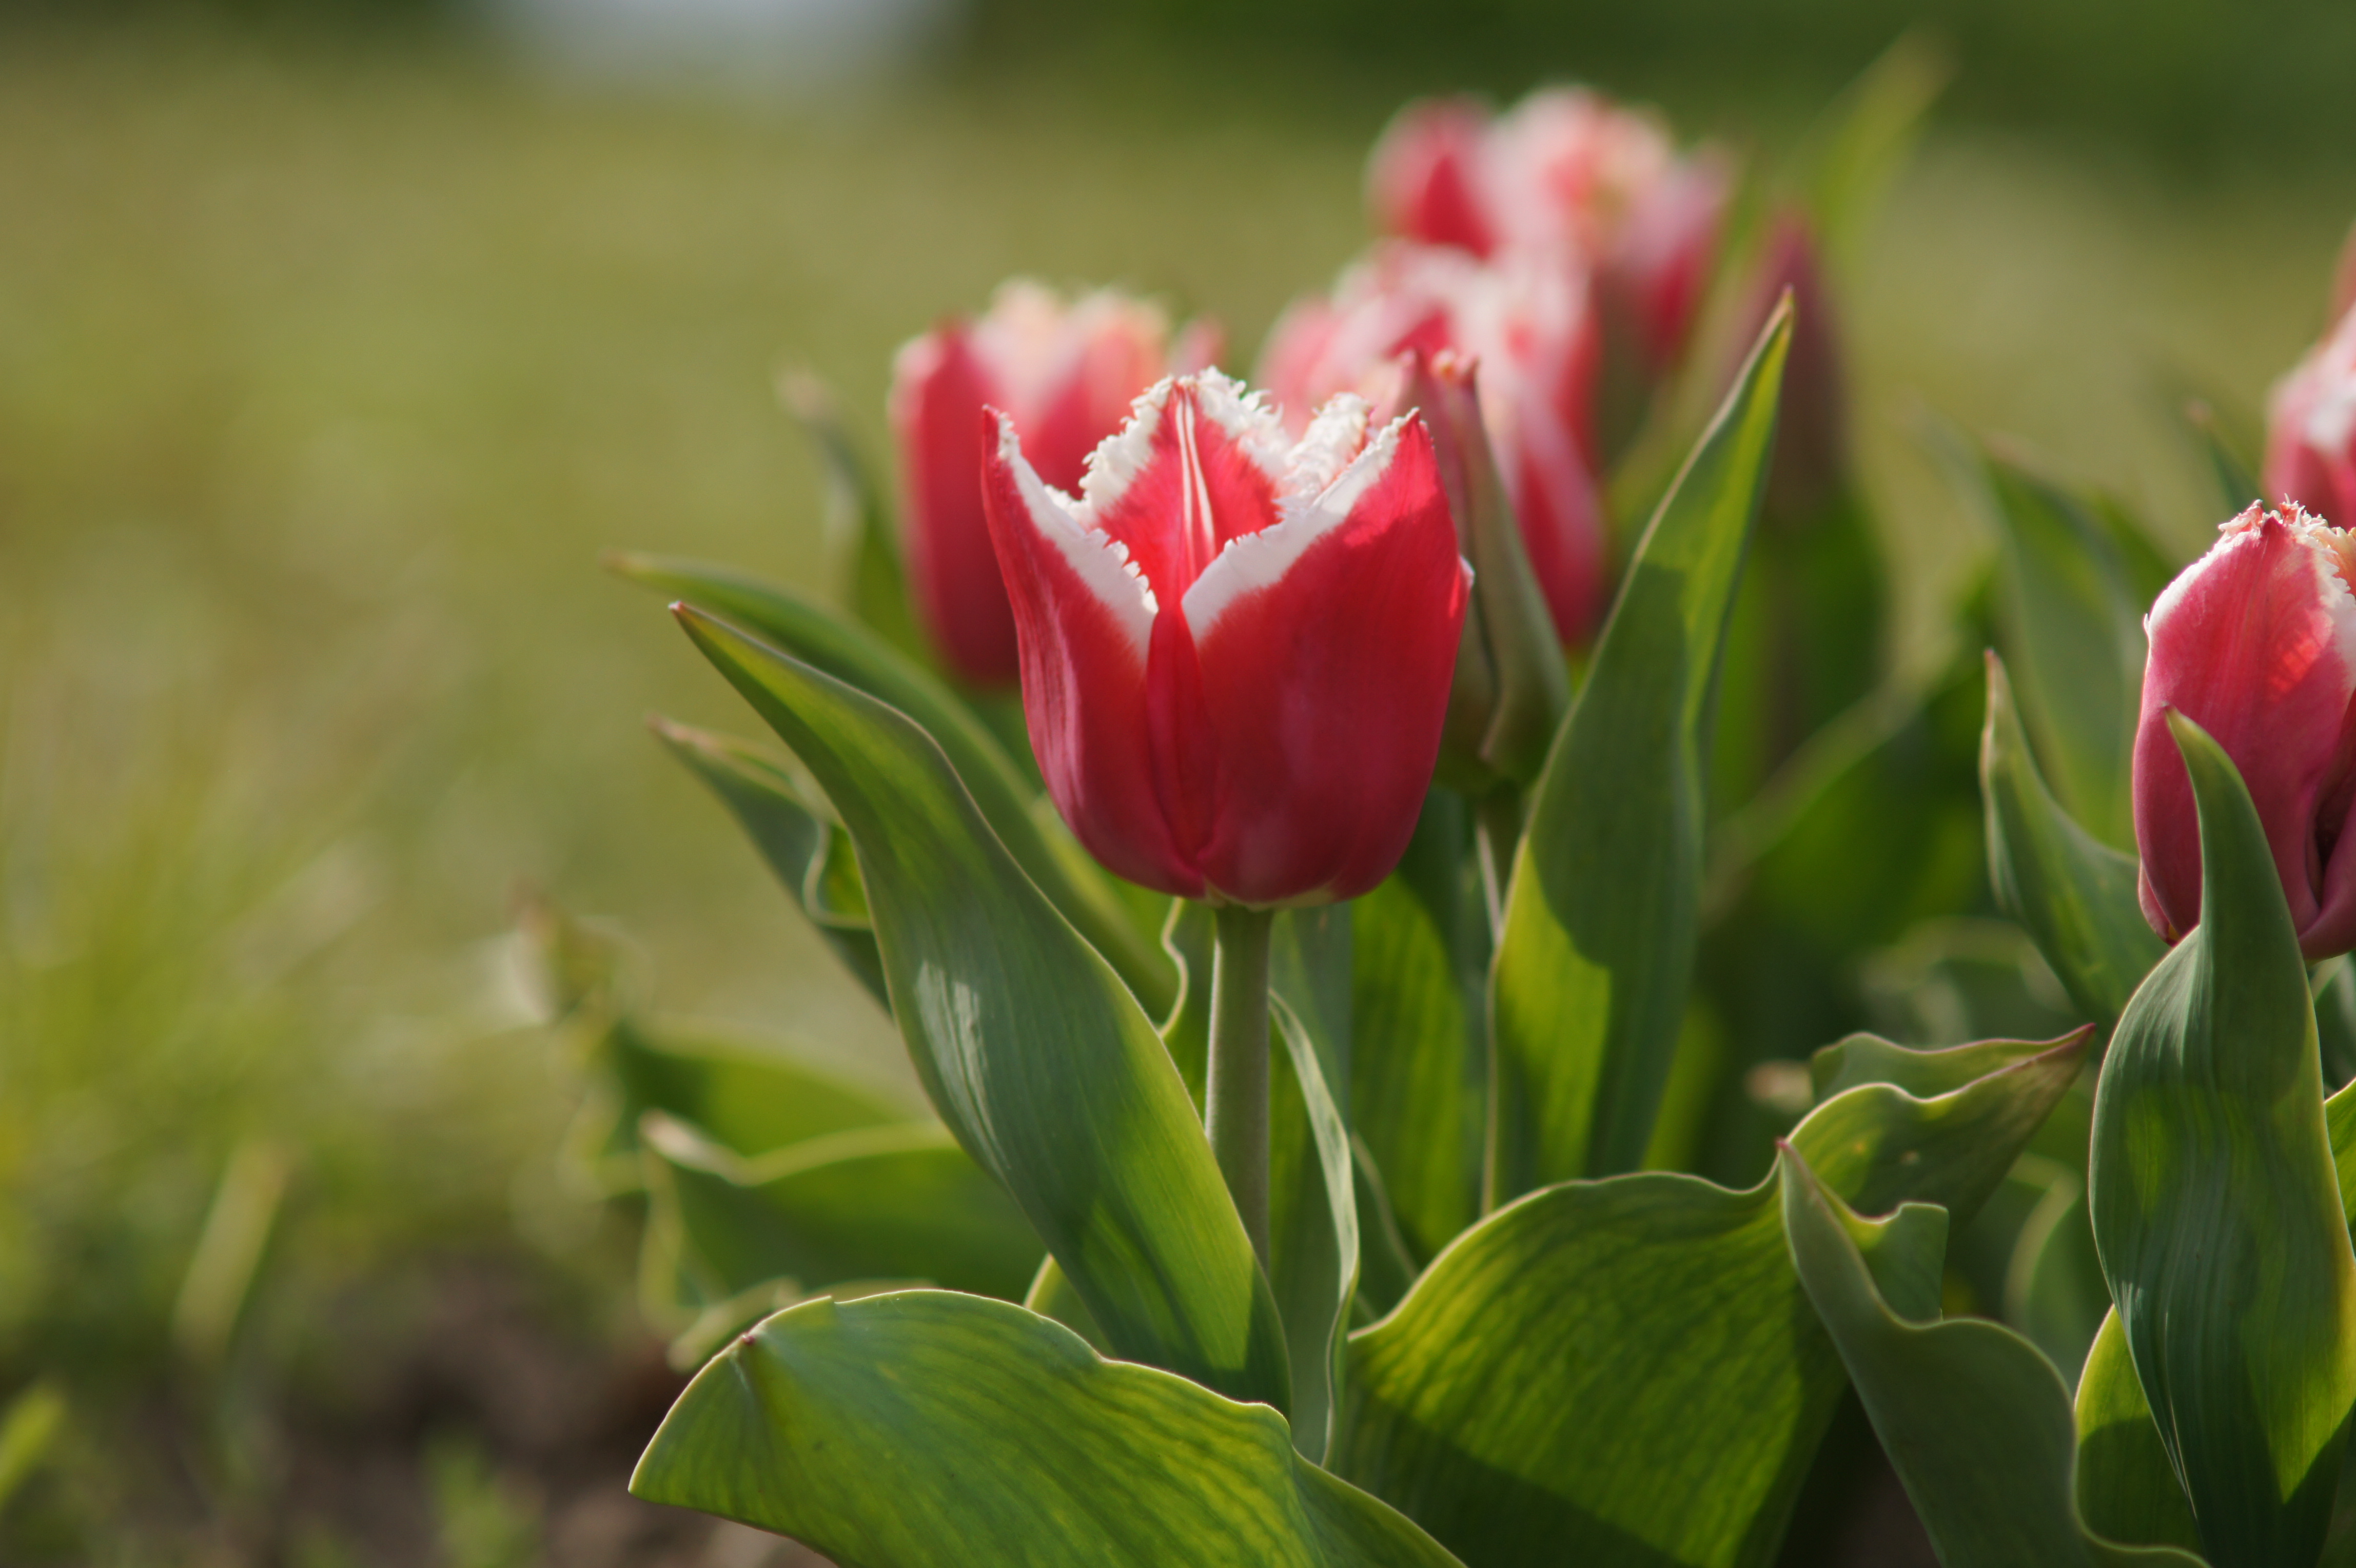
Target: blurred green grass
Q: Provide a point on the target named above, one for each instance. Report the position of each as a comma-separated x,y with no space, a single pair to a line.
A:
326,373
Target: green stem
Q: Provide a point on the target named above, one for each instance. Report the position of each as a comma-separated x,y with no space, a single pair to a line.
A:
1236,1093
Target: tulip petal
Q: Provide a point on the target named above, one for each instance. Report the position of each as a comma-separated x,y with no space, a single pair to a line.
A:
1325,646
1084,618
1199,464
2257,643
938,383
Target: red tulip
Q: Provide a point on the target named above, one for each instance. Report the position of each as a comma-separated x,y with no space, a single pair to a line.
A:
1525,318
1066,374
1236,651
2255,642
2311,429
1567,168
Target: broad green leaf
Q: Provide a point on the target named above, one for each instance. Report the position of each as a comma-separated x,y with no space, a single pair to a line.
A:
2075,895
2076,634
2216,1206
1975,1422
808,851
2053,1291
1626,1372
2126,1488
900,1202
929,1430
1418,1058
1047,854
858,520
1869,1058
1386,1266
1032,1049
1597,945
1312,1241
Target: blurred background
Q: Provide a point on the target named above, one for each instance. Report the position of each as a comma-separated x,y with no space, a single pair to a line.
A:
337,338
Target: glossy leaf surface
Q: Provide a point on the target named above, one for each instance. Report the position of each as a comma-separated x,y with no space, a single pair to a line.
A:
1626,1372
928,1430
2074,895
1032,1049
1596,956
2216,1206
1975,1422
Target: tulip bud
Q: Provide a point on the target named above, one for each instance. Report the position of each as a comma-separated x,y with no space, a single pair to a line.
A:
1066,374
1811,462
2311,428
1235,649
2255,642
1570,171
1525,318
1510,691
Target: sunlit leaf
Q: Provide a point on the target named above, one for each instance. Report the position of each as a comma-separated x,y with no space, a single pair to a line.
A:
929,1430
1032,1049
856,657
1975,1422
1597,951
2217,1207
1625,1371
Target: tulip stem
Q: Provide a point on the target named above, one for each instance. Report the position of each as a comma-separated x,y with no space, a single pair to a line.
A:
1235,1091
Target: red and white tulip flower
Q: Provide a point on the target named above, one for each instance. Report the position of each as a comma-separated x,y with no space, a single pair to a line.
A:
1525,318
1064,373
1237,649
1565,169
2255,642
2311,428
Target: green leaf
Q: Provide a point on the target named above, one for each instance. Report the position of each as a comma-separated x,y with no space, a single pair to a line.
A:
858,522
1868,1058
811,854
750,1094
2075,895
2126,1488
2339,1123
1312,1241
1597,945
1418,1057
2216,1206
929,1430
1047,854
1626,1372
1975,1421
1032,1049
899,1202
2076,634
2053,1290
